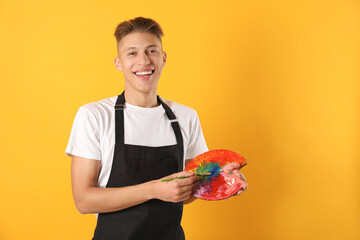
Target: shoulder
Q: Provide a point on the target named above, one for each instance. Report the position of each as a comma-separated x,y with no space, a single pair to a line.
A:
99,108
181,110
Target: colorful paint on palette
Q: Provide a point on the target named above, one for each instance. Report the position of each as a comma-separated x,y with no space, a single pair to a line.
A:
219,184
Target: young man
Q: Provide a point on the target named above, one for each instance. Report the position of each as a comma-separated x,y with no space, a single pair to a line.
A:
121,147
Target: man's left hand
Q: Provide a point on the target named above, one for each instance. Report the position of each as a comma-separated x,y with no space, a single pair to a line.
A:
234,167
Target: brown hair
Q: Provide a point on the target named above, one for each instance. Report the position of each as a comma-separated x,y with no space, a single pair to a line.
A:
139,24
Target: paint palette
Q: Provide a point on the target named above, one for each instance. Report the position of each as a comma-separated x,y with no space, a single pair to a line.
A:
219,184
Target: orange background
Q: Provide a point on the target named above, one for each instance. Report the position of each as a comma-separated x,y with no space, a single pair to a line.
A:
276,81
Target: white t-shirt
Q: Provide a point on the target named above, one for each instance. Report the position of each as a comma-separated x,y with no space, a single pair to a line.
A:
93,132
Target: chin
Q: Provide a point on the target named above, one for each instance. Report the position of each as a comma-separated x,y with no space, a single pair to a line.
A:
146,90
141,87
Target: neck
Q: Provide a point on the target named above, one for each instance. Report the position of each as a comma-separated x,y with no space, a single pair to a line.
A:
146,100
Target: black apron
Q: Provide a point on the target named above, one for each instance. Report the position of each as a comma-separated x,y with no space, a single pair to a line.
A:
132,164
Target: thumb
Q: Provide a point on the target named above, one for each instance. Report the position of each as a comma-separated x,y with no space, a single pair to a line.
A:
231,166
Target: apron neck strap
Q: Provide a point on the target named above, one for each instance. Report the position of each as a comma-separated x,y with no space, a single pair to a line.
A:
176,127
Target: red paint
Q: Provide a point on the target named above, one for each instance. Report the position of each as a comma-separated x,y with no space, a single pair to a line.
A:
225,185
218,183
221,156
222,189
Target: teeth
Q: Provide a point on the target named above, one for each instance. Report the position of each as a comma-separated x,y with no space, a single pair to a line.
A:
143,73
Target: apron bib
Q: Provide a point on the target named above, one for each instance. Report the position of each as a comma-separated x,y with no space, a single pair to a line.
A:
132,165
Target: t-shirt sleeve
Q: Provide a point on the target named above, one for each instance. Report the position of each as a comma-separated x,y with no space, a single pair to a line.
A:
197,144
84,138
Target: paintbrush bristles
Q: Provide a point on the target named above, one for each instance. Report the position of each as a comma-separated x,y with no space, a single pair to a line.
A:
203,174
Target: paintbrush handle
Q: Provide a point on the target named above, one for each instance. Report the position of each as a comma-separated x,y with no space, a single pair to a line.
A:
170,179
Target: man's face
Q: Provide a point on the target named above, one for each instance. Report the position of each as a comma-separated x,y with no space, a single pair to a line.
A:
141,59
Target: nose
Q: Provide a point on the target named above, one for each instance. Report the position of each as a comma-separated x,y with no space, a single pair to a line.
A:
144,59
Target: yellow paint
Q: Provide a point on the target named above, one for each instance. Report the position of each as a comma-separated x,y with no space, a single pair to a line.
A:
276,81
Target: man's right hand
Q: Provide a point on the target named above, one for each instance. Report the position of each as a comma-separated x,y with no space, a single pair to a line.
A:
176,190
89,198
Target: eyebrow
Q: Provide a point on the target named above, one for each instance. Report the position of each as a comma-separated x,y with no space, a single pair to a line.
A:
150,46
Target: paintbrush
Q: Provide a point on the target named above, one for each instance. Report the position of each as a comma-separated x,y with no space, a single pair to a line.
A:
197,174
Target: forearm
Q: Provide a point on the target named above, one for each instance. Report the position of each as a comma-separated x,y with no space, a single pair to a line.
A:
91,199
101,200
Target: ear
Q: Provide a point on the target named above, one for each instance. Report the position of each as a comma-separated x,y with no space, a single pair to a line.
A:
117,64
164,58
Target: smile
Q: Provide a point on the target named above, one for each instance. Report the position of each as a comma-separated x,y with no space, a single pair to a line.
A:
144,73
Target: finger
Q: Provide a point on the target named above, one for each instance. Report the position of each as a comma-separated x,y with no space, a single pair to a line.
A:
182,198
186,189
245,187
186,173
185,195
230,167
240,175
237,173
187,181
242,190
238,193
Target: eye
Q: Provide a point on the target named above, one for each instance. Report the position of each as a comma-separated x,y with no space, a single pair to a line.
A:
153,51
132,53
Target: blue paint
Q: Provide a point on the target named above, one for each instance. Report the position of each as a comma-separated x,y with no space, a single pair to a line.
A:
213,168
